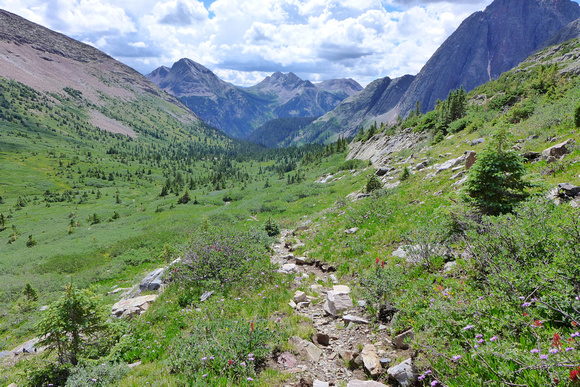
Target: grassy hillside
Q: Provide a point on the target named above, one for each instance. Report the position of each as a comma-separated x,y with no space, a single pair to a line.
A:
506,313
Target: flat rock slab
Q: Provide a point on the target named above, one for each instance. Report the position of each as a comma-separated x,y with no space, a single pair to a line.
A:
28,347
402,341
132,306
318,383
153,280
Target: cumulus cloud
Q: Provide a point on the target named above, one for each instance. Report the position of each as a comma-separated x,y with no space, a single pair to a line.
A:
244,40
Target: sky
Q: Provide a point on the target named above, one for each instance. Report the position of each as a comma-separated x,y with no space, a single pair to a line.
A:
243,41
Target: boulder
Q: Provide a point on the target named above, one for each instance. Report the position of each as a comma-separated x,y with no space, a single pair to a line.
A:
351,230
364,383
288,268
153,280
449,267
403,373
5,354
531,156
470,159
477,141
568,190
133,306
422,165
338,300
382,171
319,383
557,150
297,246
305,348
371,360
402,341
28,347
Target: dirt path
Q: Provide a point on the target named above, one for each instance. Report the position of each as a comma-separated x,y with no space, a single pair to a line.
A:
349,352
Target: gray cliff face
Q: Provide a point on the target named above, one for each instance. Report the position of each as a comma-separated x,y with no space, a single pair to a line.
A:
239,111
485,45
571,31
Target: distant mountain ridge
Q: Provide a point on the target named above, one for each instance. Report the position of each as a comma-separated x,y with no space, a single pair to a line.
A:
484,46
238,111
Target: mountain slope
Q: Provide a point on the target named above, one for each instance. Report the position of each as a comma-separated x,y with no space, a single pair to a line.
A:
239,111
485,45
377,98
51,62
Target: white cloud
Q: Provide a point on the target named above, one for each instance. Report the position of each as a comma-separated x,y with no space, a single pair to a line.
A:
244,40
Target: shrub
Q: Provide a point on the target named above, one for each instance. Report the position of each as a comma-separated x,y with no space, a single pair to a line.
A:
222,348
577,116
373,184
99,375
31,242
495,183
49,374
405,174
224,257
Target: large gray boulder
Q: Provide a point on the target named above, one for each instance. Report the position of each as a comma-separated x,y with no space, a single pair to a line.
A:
338,300
305,348
153,280
557,151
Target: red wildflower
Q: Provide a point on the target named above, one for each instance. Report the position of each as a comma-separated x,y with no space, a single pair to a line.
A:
556,340
252,326
537,323
377,260
575,375
525,314
382,264
574,323
230,362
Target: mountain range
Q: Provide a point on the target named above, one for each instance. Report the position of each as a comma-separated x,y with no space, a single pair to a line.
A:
239,111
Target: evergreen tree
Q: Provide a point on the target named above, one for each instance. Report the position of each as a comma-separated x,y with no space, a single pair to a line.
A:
30,293
72,323
185,198
495,183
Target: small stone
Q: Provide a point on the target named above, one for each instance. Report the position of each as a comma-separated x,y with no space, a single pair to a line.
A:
477,141
292,304
299,296
361,303
321,338
333,279
385,361
307,349
371,360
136,364
288,268
365,383
206,295
318,383
287,360
354,319
351,230
402,341
302,305
449,267
300,261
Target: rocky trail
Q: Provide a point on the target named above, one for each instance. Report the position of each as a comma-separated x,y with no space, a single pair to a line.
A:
347,348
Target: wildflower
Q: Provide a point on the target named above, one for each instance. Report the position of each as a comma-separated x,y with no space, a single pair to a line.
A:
456,358
421,377
478,336
211,358
243,363
494,338
553,350
252,326
204,376
544,357
537,323
428,372
434,383
468,327
203,358
522,298
556,340
526,304
377,260
535,350
382,264
575,375
250,379
230,362
569,349
577,334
